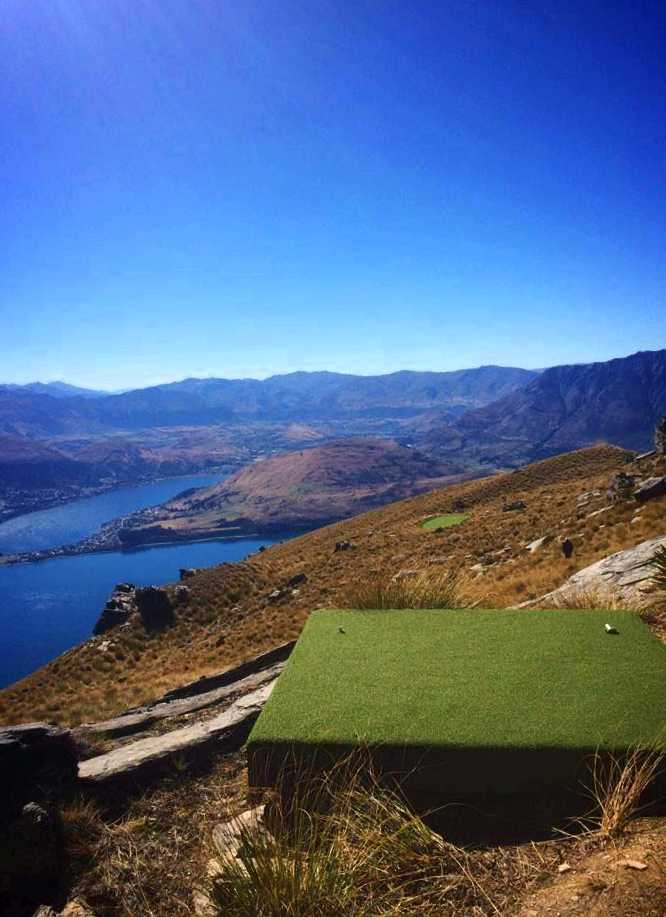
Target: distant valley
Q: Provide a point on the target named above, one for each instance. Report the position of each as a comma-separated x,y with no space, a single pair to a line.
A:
58,442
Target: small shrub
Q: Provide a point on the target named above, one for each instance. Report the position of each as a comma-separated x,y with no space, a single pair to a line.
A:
658,563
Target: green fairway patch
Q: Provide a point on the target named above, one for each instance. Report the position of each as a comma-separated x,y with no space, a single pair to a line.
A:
473,700
444,522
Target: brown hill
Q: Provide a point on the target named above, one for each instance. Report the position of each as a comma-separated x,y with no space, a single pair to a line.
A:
300,489
230,614
28,463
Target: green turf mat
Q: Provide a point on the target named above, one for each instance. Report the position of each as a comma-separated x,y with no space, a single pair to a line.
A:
477,699
444,522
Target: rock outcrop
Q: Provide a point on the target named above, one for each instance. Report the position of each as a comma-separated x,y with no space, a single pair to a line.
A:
37,761
625,576
154,606
227,731
648,490
117,610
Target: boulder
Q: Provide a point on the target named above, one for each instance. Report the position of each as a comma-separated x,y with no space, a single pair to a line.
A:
296,580
187,572
155,608
31,855
539,543
182,594
514,506
344,546
625,575
37,761
621,487
648,490
228,836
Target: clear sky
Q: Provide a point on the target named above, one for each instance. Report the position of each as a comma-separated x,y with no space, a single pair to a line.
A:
238,187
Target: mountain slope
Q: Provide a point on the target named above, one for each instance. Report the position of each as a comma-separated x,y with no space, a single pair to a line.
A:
26,463
564,408
229,614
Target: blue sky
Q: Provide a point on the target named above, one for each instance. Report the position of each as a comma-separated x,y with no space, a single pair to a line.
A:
242,188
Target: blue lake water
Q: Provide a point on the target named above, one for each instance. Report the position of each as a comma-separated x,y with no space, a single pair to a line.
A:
48,606
51,528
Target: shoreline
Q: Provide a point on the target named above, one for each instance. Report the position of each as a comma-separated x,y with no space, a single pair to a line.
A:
100,489
81,548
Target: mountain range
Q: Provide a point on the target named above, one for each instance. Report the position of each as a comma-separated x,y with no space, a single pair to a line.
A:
299,396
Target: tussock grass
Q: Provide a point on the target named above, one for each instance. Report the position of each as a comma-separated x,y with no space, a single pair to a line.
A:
600,598
619,787
344,845
425,590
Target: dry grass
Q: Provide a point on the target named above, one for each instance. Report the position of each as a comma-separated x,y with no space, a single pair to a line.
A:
346,845
619,787
426,589
659,575
144,855
600,598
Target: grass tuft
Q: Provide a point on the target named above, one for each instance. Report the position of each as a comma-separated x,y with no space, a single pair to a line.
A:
620,785
345,845
425,590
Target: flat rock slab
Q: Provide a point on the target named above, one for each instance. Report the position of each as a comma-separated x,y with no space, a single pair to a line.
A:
228,729
228,836
648,490
625,575
249,667
130,723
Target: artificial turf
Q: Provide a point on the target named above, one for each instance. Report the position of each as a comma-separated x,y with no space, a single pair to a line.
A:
476,700
444,522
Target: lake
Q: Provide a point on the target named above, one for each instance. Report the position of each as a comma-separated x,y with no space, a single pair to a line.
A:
48,606
72,522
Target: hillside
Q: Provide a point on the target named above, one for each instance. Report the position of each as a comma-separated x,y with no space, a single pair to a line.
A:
564,408
35,474
300,489
143,844
233,611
